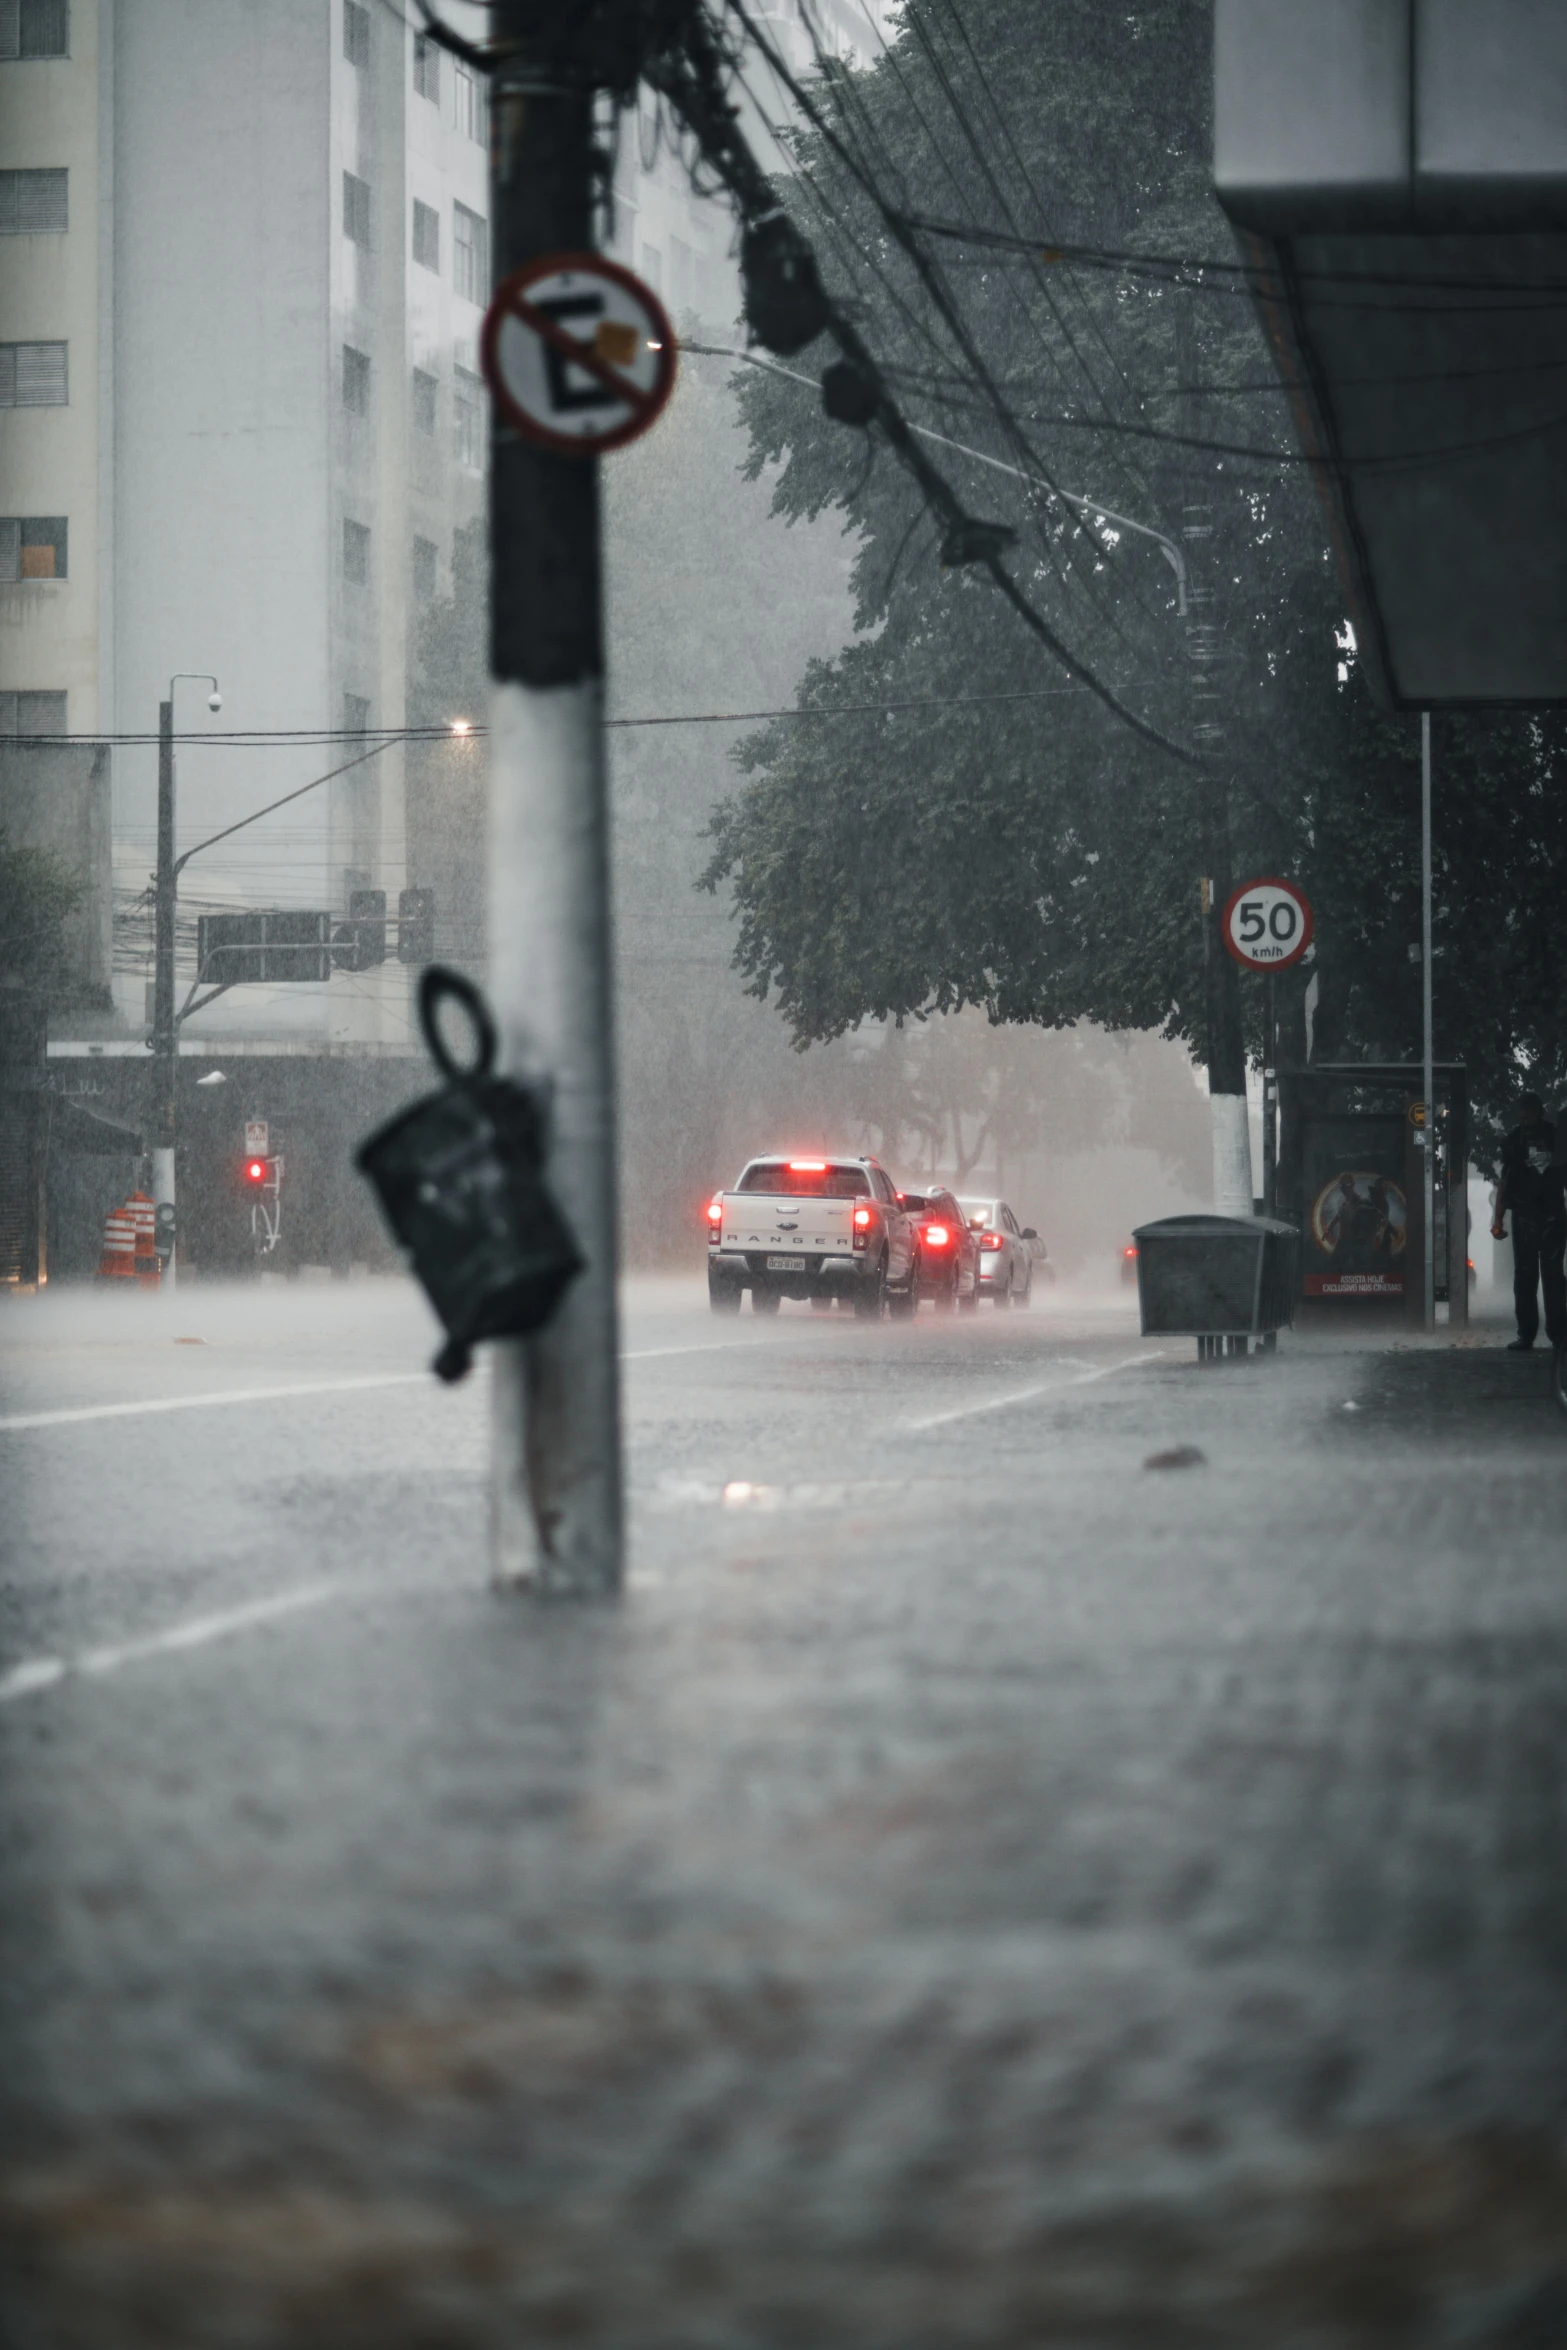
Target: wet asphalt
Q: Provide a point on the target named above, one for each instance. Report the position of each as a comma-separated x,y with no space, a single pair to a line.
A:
1055,1845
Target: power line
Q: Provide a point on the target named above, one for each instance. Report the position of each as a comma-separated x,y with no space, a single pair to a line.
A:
930,277
745,180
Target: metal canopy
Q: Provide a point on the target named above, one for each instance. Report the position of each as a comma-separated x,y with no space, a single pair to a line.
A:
1397,170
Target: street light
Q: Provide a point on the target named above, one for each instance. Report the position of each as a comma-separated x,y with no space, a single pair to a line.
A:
165,1033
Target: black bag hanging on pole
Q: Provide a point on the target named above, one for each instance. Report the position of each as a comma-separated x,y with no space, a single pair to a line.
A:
459,1178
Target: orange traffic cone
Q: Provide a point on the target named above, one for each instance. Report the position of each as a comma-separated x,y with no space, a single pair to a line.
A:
145,1216
118,1261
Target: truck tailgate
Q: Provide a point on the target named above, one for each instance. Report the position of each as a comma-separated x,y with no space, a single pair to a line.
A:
780,1225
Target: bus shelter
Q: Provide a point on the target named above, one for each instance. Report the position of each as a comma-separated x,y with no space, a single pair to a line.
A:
1351,1164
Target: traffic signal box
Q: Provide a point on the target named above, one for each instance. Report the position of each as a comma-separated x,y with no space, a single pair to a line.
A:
416,926
359,944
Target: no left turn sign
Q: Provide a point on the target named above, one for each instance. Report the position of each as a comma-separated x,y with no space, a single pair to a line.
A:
1266,924
578,354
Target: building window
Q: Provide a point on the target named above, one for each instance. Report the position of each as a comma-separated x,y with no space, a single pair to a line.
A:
424,571
356,381
35,28
356,554
356,34
468,418
33,203
470,254
32,546
473,114
423,401
32,375
32,713
356,714
427,69
427,235
356,210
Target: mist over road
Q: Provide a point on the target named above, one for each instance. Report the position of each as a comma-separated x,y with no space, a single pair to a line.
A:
973,1887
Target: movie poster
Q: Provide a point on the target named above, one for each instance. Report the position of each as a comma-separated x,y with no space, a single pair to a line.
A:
1356,1221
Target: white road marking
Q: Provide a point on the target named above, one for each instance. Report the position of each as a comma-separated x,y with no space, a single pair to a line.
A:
199,1403
17,1421
43,1672
710,1346
1001,1403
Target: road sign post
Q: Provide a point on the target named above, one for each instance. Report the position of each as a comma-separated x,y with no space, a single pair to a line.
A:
1266,926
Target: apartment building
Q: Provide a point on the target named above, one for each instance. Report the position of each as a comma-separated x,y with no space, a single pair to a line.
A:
243,263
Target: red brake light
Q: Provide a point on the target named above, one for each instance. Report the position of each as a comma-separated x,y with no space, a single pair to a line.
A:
807,1166
990,1240
1128,1252
862,1219
936,1236
715,1208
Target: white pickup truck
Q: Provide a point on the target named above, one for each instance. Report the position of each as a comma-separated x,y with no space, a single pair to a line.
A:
812,1228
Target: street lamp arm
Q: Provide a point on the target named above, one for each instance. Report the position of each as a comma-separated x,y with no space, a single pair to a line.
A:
314,784
1080,505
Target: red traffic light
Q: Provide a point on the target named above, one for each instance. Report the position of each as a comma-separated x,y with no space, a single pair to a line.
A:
255,1170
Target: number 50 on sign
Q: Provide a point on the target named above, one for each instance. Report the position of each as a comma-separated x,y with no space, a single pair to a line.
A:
1266,924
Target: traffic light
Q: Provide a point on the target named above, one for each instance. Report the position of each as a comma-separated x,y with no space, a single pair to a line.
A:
256,1172
416,926
367,912
359,944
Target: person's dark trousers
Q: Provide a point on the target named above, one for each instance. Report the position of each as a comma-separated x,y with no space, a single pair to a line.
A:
1537,1264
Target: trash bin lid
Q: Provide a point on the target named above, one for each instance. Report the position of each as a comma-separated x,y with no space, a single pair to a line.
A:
1212,1227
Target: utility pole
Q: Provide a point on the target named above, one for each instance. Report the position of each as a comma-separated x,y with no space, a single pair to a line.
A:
165,1042
555,1429
165,1027
1427,1038
1227,1112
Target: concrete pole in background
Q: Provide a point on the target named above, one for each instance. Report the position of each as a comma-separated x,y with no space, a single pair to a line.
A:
165,1041
1428,1068
555,1430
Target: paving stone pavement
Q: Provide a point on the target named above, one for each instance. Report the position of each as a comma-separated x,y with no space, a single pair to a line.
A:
973,1890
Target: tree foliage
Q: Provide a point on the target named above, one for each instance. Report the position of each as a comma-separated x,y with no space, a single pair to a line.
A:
38,894
1031,856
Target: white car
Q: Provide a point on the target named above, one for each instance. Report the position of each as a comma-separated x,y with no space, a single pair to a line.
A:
1006,1251
812,1228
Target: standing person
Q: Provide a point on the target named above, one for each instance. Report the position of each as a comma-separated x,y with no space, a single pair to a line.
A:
1532,1186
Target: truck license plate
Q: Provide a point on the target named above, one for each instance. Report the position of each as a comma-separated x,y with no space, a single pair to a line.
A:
786,1264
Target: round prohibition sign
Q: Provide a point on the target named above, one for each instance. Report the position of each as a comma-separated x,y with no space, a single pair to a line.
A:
1266,924
579,355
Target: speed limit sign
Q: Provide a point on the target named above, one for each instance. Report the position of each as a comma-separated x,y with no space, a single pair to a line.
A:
1266,924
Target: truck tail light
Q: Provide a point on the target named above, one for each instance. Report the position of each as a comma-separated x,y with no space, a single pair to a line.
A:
862,1225
990,1240
937,1236
715,1217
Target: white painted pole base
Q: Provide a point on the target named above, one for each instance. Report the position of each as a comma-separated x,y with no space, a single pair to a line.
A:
163,1194
555,1488
1232,1192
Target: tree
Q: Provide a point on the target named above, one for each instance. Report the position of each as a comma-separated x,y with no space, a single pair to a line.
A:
1033,857
38,895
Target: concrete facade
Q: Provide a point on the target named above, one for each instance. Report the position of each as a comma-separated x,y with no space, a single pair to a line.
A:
244,460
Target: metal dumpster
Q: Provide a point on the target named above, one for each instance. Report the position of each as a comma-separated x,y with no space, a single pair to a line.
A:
1230,1282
